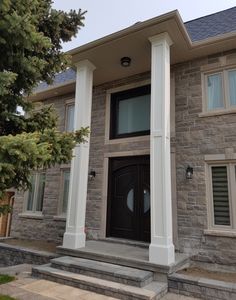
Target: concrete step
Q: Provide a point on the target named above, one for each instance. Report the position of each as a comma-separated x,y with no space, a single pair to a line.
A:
102,270
152,291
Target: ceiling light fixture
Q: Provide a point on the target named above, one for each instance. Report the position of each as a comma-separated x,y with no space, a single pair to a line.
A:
125,61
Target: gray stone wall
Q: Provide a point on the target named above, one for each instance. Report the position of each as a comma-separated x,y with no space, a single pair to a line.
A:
48,226
196,137
12,255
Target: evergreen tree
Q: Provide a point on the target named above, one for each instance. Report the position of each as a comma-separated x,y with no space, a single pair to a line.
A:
31,37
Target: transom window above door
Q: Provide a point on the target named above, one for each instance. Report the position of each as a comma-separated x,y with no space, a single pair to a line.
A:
130,112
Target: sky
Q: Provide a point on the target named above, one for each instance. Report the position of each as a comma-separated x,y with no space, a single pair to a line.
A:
104,17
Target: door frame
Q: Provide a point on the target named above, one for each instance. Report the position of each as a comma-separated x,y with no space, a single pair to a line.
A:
105,179
137,158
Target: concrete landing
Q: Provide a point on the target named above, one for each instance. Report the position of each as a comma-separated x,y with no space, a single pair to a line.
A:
123,254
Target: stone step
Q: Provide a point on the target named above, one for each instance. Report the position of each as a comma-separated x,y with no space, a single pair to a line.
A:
201,287
153,291
107,271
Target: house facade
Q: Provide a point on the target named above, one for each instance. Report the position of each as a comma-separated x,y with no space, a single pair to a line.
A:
160,164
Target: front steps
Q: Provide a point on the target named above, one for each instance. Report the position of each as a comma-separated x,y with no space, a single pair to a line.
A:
107,279
116,273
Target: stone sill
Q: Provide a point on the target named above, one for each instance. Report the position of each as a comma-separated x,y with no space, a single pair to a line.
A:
217,113
220,233
31,216
59,218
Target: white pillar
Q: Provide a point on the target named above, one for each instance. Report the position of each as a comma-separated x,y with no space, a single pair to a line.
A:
74,236
161,249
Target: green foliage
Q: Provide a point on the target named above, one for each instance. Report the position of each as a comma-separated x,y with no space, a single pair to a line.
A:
31,36
6,279
4,297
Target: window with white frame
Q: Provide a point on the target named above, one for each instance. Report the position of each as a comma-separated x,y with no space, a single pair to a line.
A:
69,120
35,194
65,181
220,90
222,192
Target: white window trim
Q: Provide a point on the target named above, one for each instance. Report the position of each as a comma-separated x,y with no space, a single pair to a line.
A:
221,230
33,212
228,108
60,214
69,103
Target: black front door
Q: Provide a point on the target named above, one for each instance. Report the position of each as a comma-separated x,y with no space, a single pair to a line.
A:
129,198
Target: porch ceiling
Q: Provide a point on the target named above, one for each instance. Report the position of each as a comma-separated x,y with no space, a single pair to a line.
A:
133,42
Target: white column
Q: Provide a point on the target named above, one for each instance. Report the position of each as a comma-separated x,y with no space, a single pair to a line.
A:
161,249
74,236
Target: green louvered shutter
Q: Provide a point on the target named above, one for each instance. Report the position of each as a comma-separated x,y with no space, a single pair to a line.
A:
220,196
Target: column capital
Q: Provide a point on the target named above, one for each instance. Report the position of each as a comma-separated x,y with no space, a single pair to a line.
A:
160,38
85,64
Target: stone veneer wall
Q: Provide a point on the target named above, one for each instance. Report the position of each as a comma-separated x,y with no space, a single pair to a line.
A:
196,137
48,226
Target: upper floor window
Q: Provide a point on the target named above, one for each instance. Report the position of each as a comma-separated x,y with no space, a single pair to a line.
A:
35,194
220,90
69,120
222,196
130,112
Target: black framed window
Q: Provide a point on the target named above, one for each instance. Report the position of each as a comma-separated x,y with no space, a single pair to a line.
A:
130,112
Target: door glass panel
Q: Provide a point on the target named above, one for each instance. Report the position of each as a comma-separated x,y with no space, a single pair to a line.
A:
130,200
146,199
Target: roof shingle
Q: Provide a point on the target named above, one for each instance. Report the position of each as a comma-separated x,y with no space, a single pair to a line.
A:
212,25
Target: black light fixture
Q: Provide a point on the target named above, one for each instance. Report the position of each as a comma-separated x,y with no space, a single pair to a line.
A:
189,173
125,61
92,175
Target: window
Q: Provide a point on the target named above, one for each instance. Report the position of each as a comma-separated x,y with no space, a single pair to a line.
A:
65,191
220,90
130,112
70,111
223,196
36,193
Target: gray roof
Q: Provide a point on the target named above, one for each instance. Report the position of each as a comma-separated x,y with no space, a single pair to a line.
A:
60,78
198,29
212,25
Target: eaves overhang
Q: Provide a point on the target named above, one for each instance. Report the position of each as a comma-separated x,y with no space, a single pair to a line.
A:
105,53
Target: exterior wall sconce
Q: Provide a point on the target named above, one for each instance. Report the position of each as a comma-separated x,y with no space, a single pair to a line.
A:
92,175
125,61
189,173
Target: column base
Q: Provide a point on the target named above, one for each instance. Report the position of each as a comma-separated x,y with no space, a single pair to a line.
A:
162,255
74,240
